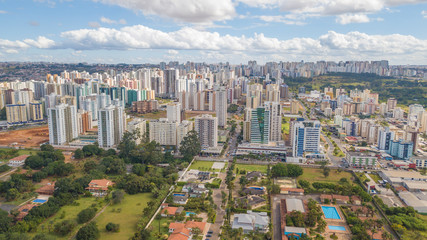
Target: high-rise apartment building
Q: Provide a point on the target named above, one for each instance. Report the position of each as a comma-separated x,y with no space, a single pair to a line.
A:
170,77
84,121
272,93
275,110
163,131
16,113
62,124
111,126
385,136
182,130
221,107
391,103
36,111
138,125
173,112
207,128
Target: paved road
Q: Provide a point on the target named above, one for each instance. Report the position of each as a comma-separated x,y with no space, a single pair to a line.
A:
220,213
275,218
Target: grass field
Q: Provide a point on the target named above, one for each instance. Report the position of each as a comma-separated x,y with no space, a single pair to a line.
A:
164,226
316,175
71,212
203,166
375,177
251,168
130,212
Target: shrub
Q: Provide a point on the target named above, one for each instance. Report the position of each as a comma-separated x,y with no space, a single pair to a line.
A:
112,227
86,214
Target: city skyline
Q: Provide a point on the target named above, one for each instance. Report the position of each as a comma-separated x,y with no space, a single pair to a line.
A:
111,31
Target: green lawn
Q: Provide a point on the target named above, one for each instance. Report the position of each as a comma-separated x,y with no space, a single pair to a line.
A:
251,168
130,212
203,166
316,175
71,212
164,226
375,177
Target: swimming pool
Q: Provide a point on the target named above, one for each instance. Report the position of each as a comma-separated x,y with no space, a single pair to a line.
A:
337,228
187,214
257,188
330,212
179,194
39,201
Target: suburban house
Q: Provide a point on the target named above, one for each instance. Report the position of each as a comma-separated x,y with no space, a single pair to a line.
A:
99,187
170,211
356,200
195,189
254,190
180,198
184,231
18,161
23,211
253,175
251,221
47,189
250,202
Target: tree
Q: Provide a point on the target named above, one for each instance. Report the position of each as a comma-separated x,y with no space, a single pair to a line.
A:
12,194
275,189
112,227
190,145
47,148
3,114
304,183
326,172
88,232
118,196
279,170
43,236
5,221
65,227
243,181
78,154
127,145
90,165
86,214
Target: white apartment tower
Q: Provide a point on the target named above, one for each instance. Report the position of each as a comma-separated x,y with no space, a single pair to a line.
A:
221,107
62,124
275,111
111,126
174,112
207,128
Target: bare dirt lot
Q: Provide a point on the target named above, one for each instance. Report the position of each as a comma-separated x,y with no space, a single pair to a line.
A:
30,137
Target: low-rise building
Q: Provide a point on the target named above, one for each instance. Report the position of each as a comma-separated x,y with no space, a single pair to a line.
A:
294,232
99,187
18,161
170,211
417,201
250,202
361,160
183,231
254,190
251,221
180,198
255,175
195,189
293,191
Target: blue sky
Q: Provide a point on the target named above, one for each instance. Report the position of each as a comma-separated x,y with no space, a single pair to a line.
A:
140,31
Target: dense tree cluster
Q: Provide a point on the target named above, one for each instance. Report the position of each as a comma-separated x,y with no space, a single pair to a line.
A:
286,170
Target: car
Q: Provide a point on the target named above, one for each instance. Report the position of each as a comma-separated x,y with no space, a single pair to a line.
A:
210,232
208,235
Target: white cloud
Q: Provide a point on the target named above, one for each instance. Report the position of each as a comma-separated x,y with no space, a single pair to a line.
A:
173,52
94,24
424,13
8,46
41,42
193,11
2,12
111,21
352,18
346,10
280,19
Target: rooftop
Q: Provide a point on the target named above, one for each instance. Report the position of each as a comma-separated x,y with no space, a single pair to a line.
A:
293,204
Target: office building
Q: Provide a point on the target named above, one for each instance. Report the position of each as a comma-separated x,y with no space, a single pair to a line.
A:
62,124
260,125
207,128
305,137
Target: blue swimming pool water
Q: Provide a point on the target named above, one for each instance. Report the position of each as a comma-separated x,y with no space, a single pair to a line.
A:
189,213
88,141
39,201
178,194
257,188
330,212
336,228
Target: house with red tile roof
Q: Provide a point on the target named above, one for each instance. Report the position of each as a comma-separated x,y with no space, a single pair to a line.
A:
99,187
183,231
24,210
18,161
47,189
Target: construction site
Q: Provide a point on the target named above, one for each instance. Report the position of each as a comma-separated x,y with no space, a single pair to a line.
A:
25,138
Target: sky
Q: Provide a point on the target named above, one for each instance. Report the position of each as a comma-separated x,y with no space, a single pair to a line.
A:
235,31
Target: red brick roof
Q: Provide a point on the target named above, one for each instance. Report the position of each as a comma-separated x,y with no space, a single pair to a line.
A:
292,189
101,184
19,158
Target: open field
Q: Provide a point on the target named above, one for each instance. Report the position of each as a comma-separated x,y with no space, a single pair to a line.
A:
31,137
251,168
316,175
203,165
191,114
153,115
130,212
375,177
70,213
